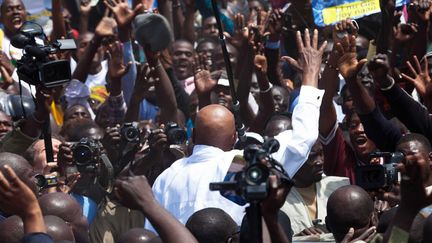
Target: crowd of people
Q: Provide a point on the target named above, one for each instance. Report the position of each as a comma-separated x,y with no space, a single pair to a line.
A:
325,133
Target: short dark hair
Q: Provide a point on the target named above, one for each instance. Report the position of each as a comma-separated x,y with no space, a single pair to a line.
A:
410,137
211,225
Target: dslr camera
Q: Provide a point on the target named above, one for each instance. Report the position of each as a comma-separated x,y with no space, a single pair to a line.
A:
175,134
36,67
130,133
89,157
379,176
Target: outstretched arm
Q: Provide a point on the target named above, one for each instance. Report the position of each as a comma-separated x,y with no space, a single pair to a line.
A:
136,193
296,144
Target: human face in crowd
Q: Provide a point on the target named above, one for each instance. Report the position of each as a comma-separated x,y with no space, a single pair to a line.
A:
83,41
39,158
183,57
219,61
361,144
209,27
313,169
280,99
77,112
5,124
415,147
222,95
207,49
13,15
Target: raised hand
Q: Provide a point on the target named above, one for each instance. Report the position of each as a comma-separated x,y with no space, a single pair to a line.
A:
275,24
116,67
309,60
348,64
365,237
404,32
158,140
142,83
15,196
85,7
260,62
134,192
420,76
276,198
423,9
241,31
105,28
122,13
204,84
379,67
342,29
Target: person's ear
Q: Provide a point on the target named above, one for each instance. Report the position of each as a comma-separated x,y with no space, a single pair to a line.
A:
430,156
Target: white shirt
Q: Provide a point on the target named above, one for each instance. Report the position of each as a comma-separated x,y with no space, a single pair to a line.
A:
183,188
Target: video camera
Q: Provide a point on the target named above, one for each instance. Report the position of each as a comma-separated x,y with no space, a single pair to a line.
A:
251,184
89,157
36,67
379,176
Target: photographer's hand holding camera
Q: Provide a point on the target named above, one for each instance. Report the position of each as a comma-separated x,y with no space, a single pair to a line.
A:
270,208
415,184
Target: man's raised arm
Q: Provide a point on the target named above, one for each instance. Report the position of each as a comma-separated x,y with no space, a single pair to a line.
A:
296,144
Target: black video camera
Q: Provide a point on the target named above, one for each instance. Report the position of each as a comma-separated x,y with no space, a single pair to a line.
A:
175,134
35,67
379,176
251,184
89,157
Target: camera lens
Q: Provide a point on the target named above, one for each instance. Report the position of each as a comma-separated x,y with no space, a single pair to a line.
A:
177,136
256,174
82,154
131,133
41,182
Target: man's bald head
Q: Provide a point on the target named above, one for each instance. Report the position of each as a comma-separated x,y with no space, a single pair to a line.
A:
357,211
58,229
60,204
12,230
215,126
67,208
211,225
137,235
21,166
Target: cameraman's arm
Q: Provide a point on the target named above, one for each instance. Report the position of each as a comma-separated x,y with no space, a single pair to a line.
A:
270,210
